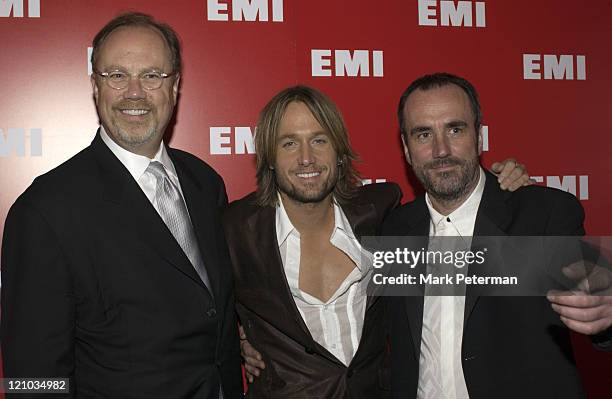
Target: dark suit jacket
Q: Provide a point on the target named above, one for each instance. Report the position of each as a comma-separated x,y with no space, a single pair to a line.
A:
297,366
513,347
96,288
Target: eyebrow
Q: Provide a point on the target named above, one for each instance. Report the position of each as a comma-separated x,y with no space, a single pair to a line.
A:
123,69
457,123
448,125
419,129
294,135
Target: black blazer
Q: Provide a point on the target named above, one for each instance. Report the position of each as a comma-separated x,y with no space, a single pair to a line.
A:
296,365
513,347
96,288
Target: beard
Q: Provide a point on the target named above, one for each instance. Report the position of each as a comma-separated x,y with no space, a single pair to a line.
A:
449,185
307,193
135,133
132,135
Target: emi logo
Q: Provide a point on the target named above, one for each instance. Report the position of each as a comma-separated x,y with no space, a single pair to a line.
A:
577,185
221,140
15,7
365,182
16,142
563,67
452,13
245,10
357,63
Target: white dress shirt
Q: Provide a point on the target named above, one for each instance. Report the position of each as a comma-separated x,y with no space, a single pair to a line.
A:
337,323
441,374
138,164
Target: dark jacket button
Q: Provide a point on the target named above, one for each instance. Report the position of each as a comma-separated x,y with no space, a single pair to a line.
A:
212,312
309,350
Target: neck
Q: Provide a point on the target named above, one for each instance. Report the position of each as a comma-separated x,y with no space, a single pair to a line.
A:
446,207
309,217
147,149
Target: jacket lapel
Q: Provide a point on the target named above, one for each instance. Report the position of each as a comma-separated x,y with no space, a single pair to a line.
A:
492,219
135,213
417,222
262,226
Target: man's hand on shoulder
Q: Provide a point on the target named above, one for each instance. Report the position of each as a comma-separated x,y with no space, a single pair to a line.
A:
511,175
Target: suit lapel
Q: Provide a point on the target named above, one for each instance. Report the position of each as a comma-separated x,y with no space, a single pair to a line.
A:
262,226
492,219
418,227
135,213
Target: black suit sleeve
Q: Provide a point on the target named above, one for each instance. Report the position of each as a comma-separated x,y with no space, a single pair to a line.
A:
567,218
38,303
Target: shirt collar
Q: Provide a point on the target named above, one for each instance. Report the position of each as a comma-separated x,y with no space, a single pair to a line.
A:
137,164
284,227
466,210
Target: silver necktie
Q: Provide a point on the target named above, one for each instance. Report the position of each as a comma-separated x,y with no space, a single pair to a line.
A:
173,211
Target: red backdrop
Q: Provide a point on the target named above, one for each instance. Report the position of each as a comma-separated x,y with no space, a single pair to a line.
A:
541,67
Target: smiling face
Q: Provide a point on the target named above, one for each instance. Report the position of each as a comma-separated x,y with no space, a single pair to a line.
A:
306,162
133,117
441,142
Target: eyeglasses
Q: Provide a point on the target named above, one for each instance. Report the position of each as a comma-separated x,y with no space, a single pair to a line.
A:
150,80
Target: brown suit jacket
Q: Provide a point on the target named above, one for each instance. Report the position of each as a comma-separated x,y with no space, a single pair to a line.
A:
296,365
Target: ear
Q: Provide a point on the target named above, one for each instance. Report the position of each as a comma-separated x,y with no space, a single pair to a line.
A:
480,140
175,88
406,152
94,86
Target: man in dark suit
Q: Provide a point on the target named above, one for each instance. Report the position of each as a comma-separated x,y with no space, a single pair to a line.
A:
299,268
115,272
471,346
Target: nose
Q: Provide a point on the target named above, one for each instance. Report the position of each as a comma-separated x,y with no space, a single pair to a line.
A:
441,146
134,89
306,157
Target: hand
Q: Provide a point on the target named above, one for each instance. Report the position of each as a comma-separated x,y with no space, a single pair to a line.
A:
253,363
511,175
580,310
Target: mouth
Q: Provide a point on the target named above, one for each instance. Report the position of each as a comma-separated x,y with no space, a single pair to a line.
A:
442,168
134,112
309,175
